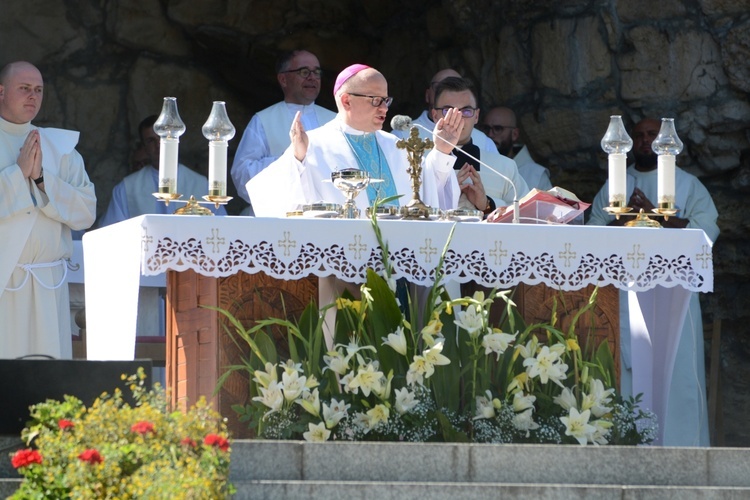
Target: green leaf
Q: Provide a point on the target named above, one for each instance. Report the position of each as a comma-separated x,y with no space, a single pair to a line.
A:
450,434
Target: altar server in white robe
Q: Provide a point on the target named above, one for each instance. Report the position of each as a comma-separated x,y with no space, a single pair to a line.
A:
500,125
133,196
267,135
687,416
354,139
481,188
44,193
425,118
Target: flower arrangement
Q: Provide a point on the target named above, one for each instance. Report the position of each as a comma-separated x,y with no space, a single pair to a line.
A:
454,377
115,450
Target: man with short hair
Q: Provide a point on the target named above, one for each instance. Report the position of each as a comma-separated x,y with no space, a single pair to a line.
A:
267,135
481,188
500,125
44,193
425,119
687,414
354,139
133,196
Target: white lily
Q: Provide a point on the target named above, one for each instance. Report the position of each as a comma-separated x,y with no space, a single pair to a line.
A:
333,414
271,396
362,420
524,421
317,433
433,355
485,407
597,399
310,401
293,385
336,362
523,403
264,378
497,342
601,433
470,319
405,401
292,367
577,425
397,341
419,369
565,399
368,379
379,413
546,365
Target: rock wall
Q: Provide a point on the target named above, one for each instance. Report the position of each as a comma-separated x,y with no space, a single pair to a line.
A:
565,66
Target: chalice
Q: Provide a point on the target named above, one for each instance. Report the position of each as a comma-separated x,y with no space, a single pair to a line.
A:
351,182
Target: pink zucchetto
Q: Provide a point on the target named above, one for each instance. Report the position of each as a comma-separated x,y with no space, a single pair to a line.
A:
347,73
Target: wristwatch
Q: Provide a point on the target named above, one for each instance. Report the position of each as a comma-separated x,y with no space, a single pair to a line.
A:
40,179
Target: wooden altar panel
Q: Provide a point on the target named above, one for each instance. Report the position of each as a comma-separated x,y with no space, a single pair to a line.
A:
535,304
601,323
198,349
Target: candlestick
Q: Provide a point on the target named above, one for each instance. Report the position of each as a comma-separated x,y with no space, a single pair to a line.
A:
169,127
616,142
667,145
218,130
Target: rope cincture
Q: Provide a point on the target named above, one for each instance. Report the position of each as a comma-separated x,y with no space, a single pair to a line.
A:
29,268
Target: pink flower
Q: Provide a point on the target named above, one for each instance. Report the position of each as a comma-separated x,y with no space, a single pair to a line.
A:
91,456
143,427
22,458
64,424
217,441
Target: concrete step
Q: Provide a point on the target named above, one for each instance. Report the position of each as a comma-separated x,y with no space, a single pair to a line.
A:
294,469
365,490
256,460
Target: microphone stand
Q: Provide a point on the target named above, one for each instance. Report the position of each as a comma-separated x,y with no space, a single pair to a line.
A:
516,205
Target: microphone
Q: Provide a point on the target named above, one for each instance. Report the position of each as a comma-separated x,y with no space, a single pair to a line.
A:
402,122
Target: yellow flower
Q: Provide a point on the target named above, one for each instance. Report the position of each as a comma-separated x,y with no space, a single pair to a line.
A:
341,303
572,345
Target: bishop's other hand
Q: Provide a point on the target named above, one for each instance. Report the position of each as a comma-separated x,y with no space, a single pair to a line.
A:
298,137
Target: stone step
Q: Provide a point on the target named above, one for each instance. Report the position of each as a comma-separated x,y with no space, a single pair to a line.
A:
347,490
294,469
256,460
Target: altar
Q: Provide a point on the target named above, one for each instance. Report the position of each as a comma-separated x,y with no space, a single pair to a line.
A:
659,267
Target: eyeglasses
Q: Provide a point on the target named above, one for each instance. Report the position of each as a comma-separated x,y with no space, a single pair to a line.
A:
496,129
376,100
305,72
466,112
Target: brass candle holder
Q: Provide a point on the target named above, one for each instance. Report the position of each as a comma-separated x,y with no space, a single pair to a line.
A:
415,148
192,206
665,210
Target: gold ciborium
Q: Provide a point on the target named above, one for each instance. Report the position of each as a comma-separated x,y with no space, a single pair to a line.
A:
351,182
415,148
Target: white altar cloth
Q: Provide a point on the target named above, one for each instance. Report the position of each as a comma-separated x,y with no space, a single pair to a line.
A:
659,266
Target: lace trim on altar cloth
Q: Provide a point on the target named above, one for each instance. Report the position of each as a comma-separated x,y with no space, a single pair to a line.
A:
502,270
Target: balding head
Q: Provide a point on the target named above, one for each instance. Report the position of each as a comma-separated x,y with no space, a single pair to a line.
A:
357,111
21,92
12,68
429,94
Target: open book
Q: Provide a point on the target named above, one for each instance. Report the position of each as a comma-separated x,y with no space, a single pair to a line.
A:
555,206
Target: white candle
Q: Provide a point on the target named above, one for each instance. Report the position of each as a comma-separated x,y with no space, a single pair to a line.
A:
217,168
617,186
665,178
168,153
